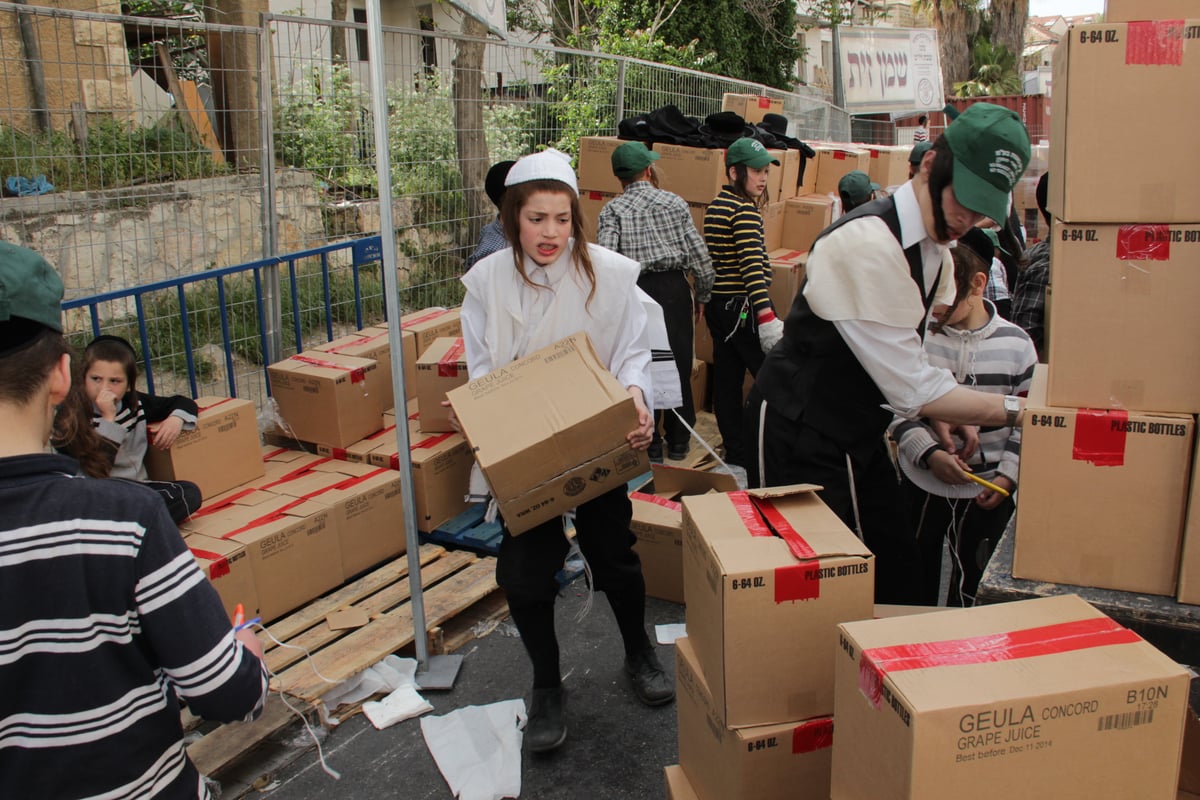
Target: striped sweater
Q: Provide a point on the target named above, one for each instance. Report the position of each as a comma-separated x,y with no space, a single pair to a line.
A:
998,358
733,231
106,623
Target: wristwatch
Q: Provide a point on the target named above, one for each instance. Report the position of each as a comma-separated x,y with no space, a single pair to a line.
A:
1012,410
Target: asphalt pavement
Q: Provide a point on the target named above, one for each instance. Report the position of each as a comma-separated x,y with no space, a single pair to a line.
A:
616,748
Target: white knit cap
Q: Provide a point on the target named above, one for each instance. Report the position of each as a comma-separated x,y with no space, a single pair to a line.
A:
548,165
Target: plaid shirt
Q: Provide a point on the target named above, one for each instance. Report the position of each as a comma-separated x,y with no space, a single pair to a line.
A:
491,240
1029,295
655,228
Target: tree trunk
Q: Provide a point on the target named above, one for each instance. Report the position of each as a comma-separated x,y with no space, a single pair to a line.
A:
235,71
1008,25
469,133
337,41
955,22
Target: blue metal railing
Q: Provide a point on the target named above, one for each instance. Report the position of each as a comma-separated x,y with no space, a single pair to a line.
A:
364,252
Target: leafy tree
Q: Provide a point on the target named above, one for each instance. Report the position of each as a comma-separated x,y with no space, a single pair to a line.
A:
957,22
993,71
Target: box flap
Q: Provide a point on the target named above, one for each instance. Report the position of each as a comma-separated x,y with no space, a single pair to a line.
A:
675,482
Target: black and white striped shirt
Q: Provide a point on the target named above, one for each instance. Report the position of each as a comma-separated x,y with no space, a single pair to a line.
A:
106,623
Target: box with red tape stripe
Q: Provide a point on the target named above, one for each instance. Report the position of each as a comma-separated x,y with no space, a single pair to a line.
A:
1045,698
767,575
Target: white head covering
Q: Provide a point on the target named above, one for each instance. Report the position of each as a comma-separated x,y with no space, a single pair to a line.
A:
548,165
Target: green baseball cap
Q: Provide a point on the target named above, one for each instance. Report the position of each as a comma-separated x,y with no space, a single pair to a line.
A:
856,187
991,151
30,289
631,159
750,152
918,152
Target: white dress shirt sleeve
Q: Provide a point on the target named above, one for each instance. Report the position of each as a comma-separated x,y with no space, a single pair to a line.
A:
473,317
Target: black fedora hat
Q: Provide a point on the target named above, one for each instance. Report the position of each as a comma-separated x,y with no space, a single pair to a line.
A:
775,123
664,124
725,126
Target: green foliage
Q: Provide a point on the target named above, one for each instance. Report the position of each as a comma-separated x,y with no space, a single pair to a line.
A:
117,154
993,72
320,127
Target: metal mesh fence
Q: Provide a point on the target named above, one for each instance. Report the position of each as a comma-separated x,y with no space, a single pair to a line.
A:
138,152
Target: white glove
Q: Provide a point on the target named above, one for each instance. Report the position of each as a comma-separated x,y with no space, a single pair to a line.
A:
769,334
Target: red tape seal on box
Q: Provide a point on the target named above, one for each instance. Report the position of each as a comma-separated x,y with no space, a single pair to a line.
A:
839,155
1144,243
1064,637
1100,437
449,365
808,737
656,500
357,374
423,318
1154,43
219,567
800,581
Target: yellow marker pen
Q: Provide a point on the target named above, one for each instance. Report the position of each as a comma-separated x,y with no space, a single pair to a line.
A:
986,484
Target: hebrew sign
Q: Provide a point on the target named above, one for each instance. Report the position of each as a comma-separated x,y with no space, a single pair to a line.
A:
890,69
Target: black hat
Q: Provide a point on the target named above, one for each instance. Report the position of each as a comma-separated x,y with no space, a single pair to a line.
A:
666,124
978,242
725,126
775,123
493,184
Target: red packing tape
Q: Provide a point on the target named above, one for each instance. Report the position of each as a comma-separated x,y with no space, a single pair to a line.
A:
362,340
379,433
1154,43
1144,243
800,581
214,405
219,567
228,501
1100,437
656,500
839,155
449,365
813,735
431,441
423,318
764,102
357,374
1064,637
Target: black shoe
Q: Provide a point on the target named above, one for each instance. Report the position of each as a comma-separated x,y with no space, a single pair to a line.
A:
654,451
546,729
677,452
650,683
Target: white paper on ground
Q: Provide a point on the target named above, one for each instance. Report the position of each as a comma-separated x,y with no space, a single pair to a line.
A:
478,749
667,634
386,676
400,705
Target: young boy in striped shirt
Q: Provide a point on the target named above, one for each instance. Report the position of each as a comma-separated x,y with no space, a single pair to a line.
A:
987,353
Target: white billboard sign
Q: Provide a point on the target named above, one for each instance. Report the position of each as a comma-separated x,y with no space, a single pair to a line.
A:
889,69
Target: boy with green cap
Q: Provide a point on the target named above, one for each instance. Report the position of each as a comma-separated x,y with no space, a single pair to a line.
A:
856,188
852,355
740,316
654,227
107,620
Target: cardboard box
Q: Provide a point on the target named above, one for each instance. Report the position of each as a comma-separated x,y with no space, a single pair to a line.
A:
1121,292
441,470
591,203
420,329
658,524
699,384
442,367
595,164
787,275
789,182
221,452
694,173
1154,68
834,162
751,107
293,546
1189,562
697,211
702,342
366,504
888,165
805,217
326,397
772,216
368,343
678,787
1037,698
761,608
768,762
1080,469
227,566
570,444
1135,10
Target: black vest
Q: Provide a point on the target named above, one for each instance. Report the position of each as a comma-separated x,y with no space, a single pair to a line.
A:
813,374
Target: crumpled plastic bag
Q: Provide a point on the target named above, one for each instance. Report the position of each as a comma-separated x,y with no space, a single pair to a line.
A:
394,675
478,749
19,186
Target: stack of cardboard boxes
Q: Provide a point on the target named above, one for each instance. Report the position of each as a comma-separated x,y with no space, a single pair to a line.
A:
1107,445
767,576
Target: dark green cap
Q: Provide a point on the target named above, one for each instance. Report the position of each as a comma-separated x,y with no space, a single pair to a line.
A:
30,289
918,152
750,152
631,159
991,151
856,187
951,111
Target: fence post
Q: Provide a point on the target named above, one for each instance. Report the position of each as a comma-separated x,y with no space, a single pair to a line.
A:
620,105
272,307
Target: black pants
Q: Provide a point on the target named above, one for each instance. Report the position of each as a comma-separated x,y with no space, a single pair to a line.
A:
527,565
182,497
793,452
671,291
972,532
733,356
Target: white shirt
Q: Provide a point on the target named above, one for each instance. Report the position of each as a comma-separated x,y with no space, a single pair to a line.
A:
856,281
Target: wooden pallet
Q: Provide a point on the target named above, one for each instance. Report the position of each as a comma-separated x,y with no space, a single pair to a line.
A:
459,591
